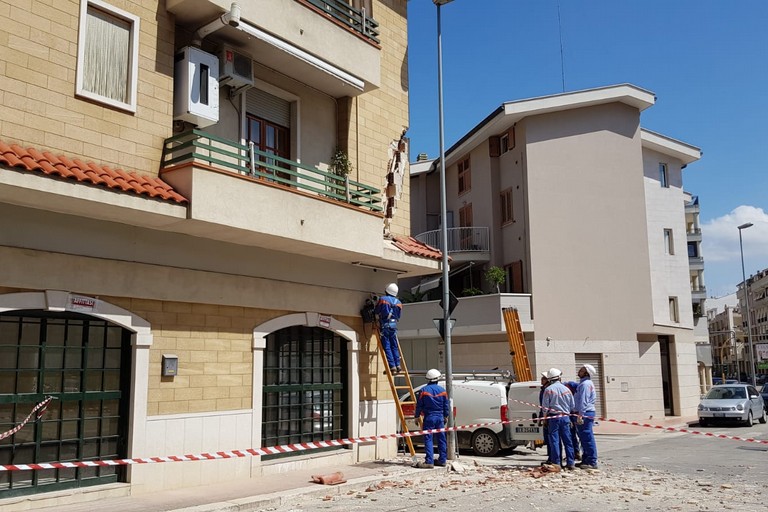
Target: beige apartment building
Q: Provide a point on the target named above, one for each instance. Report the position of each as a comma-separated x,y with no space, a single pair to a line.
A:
728,341
756,288
183,265
584,209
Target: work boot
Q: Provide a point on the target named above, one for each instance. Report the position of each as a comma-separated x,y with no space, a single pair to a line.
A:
438,463
588,466
424,465
398,369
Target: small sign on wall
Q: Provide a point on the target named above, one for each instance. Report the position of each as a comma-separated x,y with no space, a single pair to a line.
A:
324,321
81,303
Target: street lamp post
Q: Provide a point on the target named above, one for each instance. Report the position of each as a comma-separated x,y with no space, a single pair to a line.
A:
746,299
444,235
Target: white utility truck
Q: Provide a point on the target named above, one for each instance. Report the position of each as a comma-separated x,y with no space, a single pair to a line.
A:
507,408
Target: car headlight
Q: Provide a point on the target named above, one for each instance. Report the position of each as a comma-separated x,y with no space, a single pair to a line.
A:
740,407
702,408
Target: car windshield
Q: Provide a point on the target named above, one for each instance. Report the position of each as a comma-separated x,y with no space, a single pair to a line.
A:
727,393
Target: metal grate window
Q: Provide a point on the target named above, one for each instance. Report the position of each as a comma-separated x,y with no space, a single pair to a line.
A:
305,386
82,361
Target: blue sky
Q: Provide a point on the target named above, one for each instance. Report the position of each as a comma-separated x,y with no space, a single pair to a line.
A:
706,61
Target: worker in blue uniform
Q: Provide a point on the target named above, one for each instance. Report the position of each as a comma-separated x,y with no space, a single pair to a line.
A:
434,405
557,403
585,408
388,310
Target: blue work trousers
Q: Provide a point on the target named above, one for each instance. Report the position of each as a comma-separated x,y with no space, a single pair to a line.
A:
560,431
389,341
435,421
587,437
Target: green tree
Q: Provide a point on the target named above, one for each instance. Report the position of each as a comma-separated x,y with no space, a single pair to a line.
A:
496,277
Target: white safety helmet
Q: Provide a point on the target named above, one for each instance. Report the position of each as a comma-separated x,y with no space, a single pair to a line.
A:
590,370
553,374
433,374
392,289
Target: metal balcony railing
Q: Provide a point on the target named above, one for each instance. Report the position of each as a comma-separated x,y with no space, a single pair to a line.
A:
222,154
356,19
468,239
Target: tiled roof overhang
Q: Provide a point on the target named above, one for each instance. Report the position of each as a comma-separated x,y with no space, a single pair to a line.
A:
118,180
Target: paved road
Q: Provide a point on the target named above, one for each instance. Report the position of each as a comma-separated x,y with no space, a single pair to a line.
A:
648,471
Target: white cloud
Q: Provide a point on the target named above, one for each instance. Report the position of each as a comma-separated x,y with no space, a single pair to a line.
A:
720,248
720,236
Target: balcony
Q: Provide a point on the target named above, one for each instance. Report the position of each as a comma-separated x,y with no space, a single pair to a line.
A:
698,293
464,244
249,197
481,314
696,263
693,235
326,44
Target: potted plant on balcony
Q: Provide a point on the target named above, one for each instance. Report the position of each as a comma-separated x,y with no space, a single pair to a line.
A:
340,166
496,277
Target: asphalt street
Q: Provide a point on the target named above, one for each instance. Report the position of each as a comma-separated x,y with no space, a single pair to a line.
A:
647,471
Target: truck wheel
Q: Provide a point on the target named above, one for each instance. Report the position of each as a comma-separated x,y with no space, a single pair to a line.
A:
485,443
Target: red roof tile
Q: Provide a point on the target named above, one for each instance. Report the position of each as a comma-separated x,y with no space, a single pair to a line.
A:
32,160
410,245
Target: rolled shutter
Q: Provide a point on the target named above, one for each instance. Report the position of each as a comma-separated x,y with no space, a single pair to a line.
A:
268,107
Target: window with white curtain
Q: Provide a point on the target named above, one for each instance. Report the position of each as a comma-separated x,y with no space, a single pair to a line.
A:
107,55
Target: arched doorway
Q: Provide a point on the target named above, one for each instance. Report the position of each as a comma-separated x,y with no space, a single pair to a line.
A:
85,363
305,380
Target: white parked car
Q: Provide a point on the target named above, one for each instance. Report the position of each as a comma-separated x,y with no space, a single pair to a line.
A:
739,402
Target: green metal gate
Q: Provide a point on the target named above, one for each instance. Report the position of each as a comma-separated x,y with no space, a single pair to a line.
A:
85,364
305,387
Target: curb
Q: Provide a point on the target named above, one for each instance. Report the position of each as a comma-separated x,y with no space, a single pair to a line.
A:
278,499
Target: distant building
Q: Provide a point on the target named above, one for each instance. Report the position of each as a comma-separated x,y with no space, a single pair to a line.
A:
728,341
757,287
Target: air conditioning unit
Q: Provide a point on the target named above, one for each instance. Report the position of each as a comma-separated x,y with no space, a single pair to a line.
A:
236,69
196,87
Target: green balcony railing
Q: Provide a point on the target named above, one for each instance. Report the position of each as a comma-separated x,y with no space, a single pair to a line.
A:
356,19
199,146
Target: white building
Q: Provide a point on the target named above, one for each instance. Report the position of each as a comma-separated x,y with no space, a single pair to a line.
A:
585,210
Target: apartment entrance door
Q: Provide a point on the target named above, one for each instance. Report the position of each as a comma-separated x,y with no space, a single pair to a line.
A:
666,374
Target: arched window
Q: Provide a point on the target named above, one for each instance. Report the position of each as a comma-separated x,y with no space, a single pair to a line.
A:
305,386
83,362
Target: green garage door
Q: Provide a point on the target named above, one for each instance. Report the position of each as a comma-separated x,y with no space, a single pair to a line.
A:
85,364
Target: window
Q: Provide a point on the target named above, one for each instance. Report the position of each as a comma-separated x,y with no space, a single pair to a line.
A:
270,139
363,4
107,55
674,313
465,176
504,141
465,221
514,280
506,206
663,176
669,244
693,250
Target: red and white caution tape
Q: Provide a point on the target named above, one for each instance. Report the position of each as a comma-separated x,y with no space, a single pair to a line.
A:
288,448
39,409
251,452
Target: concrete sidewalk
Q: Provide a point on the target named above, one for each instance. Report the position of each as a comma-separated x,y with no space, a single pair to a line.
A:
245,495
276,490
